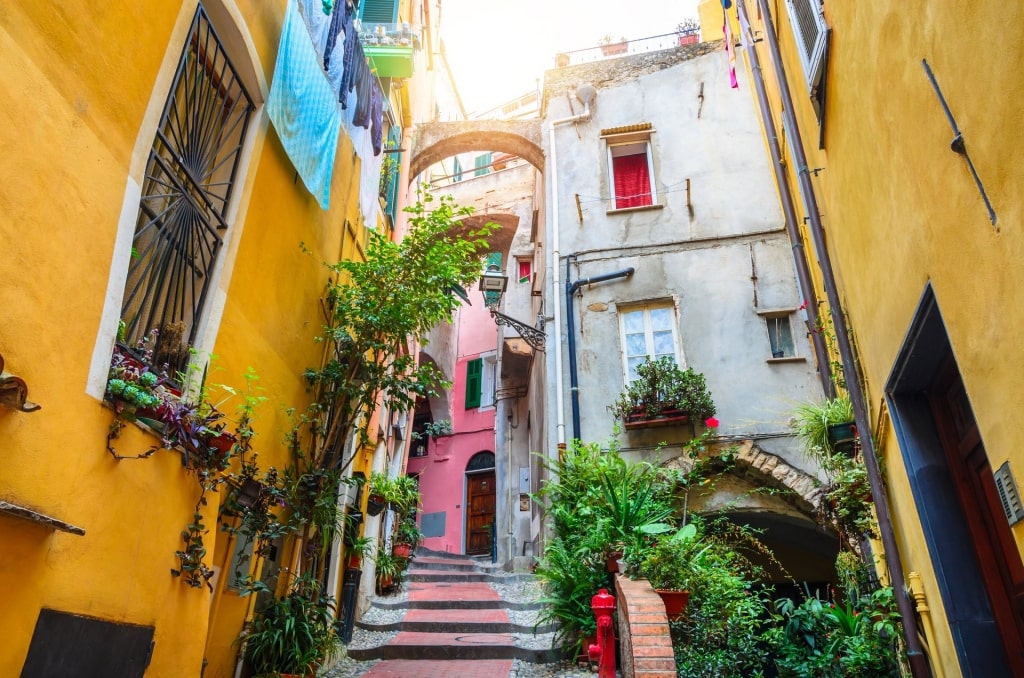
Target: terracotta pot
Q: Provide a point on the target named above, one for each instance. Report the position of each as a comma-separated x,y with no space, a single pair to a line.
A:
668,417
675,602
612,562
402,550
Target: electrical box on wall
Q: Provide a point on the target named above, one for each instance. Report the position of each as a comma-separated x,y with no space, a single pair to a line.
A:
524,479
1008,494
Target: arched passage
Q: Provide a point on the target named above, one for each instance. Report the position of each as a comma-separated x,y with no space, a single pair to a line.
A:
439,140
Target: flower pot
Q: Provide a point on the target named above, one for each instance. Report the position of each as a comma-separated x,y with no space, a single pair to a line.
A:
667,417
611,563
675,602
353,563
843,437
402,550
375,504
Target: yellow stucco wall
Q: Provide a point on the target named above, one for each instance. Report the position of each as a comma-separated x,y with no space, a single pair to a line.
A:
900,209
80,84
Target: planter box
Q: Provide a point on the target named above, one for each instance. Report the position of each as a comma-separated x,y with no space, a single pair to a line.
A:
843,437
675,602
668,417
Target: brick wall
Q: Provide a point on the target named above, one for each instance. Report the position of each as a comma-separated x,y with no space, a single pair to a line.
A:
645,645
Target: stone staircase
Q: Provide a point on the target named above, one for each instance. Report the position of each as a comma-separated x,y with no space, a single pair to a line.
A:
455,608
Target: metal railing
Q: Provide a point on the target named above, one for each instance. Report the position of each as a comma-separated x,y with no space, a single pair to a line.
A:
613,50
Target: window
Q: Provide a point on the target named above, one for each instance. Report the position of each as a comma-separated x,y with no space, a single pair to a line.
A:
457,170
480,376
648,331
378,11
780,335
524,269
811,34
190,178
630,166
482,164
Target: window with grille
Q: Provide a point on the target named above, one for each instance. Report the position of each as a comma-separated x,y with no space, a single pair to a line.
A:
811,34
648,331
190,177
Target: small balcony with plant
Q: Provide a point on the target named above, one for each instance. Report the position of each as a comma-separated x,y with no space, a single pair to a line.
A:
390,47
663,394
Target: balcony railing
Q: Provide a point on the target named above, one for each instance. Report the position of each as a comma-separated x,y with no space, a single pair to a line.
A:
390,47
654,43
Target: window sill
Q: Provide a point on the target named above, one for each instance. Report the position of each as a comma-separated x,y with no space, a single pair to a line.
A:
789,359
627,210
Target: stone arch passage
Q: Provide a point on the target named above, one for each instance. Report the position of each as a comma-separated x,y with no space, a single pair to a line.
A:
436,141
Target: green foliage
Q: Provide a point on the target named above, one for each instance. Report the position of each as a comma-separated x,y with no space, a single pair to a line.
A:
294,634
813,420
408,533
857,636
374,308
661,385
436,429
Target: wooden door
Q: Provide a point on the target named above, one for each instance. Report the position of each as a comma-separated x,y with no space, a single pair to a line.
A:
1001,568
480,504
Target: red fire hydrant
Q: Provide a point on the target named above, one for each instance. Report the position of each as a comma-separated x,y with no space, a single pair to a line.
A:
603,652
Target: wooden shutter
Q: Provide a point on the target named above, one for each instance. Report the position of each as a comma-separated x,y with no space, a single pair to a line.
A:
379,12
811,33
474,382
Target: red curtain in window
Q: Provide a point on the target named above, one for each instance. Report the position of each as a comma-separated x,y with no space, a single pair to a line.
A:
632,182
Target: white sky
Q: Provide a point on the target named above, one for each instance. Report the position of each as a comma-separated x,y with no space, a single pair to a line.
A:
498,48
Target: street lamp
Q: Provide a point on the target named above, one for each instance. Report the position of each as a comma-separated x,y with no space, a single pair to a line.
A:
493,284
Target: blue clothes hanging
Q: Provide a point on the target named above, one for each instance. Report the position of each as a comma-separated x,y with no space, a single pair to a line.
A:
303,106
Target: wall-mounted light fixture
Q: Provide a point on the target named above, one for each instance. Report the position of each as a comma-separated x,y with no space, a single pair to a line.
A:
493,284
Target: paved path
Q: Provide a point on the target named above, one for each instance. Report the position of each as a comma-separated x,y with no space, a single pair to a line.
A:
455,618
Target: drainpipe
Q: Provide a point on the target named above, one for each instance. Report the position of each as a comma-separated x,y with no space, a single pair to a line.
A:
803,271
570,321
919,666
585,94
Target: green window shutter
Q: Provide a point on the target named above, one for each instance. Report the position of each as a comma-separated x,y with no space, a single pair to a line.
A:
378,12
482,164
474,382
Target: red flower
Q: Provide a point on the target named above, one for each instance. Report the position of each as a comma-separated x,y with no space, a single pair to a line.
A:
803,306
711,422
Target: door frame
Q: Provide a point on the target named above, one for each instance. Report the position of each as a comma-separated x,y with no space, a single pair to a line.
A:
944,525
465,490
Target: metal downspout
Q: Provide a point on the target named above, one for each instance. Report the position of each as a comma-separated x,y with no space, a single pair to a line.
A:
555,276
570,322
803,272
919,666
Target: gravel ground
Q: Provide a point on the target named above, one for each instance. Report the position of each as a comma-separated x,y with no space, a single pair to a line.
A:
511,590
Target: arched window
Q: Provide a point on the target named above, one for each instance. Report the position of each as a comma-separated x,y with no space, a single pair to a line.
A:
481,461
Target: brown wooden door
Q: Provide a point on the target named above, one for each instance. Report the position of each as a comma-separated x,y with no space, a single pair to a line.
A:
998,557
480,502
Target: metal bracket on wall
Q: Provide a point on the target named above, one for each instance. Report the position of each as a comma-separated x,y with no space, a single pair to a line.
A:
14,392
534,337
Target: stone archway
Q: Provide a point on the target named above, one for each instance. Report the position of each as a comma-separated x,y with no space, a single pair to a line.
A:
436,141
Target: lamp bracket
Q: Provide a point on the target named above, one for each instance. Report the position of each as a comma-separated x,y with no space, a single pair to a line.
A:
534,337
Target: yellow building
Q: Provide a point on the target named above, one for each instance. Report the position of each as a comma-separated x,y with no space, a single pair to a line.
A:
146,185
892,127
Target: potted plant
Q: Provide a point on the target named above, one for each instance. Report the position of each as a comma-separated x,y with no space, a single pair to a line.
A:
379,489
404,497
388,570
359,548
826,427
670,565
293,635
663,394
436,429
407,538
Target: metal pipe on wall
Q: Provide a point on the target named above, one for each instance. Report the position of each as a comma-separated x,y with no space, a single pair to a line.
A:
915,652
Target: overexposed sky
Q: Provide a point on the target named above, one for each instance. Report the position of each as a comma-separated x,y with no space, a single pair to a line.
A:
498,48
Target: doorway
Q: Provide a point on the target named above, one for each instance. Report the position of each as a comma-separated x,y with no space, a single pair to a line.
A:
976,563
481,501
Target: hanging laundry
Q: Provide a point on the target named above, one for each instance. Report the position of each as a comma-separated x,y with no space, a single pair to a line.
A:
364,81
377,117
730,49
349,58
303,106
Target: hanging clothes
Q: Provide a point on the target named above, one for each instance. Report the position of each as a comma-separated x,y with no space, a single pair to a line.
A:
376,116
303,106
364,82
349,57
